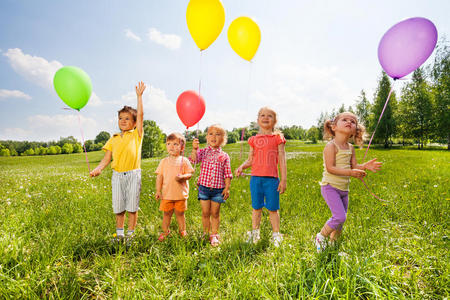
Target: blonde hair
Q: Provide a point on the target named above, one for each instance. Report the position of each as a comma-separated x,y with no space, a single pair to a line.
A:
222,131
275,116
176,136
328,132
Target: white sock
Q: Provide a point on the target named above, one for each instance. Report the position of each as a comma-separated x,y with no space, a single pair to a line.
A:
119,231
320,237
255,231
130,232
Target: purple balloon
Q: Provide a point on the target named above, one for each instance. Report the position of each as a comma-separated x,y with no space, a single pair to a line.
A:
406,46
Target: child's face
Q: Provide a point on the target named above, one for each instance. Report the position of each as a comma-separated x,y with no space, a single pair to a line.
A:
346,124
174,147
214,138
266,119
126,121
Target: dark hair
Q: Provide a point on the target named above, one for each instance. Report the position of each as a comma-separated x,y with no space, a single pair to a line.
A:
177,136
130,110
328,132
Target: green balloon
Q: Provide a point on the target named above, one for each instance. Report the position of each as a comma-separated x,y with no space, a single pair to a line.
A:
73,86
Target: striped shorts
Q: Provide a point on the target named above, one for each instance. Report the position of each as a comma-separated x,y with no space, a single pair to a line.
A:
126,189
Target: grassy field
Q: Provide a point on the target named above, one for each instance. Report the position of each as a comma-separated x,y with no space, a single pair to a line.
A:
56,227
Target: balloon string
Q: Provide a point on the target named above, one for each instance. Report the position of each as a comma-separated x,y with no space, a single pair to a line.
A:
379,119
373,134
82,139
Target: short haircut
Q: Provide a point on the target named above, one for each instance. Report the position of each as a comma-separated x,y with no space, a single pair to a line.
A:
176,136
130,110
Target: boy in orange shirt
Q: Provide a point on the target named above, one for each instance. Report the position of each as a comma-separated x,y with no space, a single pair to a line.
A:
172,184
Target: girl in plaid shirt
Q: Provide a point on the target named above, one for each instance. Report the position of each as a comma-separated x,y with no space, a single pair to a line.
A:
214,180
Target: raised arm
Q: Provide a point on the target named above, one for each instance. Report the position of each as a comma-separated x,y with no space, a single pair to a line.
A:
193,156
140,108
103,163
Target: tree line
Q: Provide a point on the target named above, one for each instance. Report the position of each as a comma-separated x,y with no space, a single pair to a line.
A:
419,115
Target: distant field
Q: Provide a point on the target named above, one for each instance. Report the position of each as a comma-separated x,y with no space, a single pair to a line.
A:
57,223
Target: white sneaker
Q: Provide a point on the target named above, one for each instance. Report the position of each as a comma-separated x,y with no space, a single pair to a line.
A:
253,236
277,238
320,242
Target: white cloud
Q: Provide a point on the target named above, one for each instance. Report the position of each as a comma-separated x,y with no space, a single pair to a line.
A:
300,93
39,70
47,128
132,36
14,94
34,68
170,41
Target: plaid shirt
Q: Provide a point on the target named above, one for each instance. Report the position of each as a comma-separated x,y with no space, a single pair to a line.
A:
215,167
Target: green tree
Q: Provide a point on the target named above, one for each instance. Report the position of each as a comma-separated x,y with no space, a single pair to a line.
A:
29,152
77,148
363,109
5,152
320,123
313,134
386,128
102,137
66,140
67,149
416,109
440,75
153,142
233,137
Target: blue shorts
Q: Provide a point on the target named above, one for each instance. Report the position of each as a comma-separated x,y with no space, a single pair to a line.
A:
207,193
265,187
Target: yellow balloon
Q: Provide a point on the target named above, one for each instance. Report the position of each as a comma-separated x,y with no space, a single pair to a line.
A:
205,20
244,37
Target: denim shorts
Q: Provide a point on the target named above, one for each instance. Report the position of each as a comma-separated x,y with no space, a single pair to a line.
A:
265,187
207,193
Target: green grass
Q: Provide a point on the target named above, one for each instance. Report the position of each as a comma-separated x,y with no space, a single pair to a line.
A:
56,224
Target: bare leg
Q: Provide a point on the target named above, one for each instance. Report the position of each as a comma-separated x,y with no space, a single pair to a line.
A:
335,235
181,220
326,230
132,220
120,220
256,218
215,217
166,220
274,217
206,213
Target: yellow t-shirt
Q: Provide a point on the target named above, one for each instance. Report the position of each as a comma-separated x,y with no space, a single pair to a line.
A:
343,161
126,150
169,168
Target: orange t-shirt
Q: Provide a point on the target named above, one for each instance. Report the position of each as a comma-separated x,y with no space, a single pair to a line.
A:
169,168
265,154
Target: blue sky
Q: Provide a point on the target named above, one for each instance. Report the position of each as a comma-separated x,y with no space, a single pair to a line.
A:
313,56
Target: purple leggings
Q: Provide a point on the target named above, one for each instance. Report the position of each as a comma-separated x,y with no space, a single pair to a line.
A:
337,201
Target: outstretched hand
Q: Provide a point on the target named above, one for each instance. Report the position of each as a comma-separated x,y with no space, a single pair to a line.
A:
373,165
140,88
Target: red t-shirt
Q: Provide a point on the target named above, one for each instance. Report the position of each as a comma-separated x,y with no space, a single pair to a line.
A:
265,154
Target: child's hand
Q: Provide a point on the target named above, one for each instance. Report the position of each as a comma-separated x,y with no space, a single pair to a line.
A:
373,165
95,172
158,196
238,171
281,186
357,173
225,194
195,144
140,89
180,178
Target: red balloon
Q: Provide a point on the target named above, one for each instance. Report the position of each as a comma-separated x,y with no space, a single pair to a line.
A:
190,108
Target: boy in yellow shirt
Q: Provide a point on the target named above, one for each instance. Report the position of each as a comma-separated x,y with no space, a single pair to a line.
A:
125,150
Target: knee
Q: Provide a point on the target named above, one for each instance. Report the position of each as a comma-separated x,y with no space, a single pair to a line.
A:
340,219
206,214
215,214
